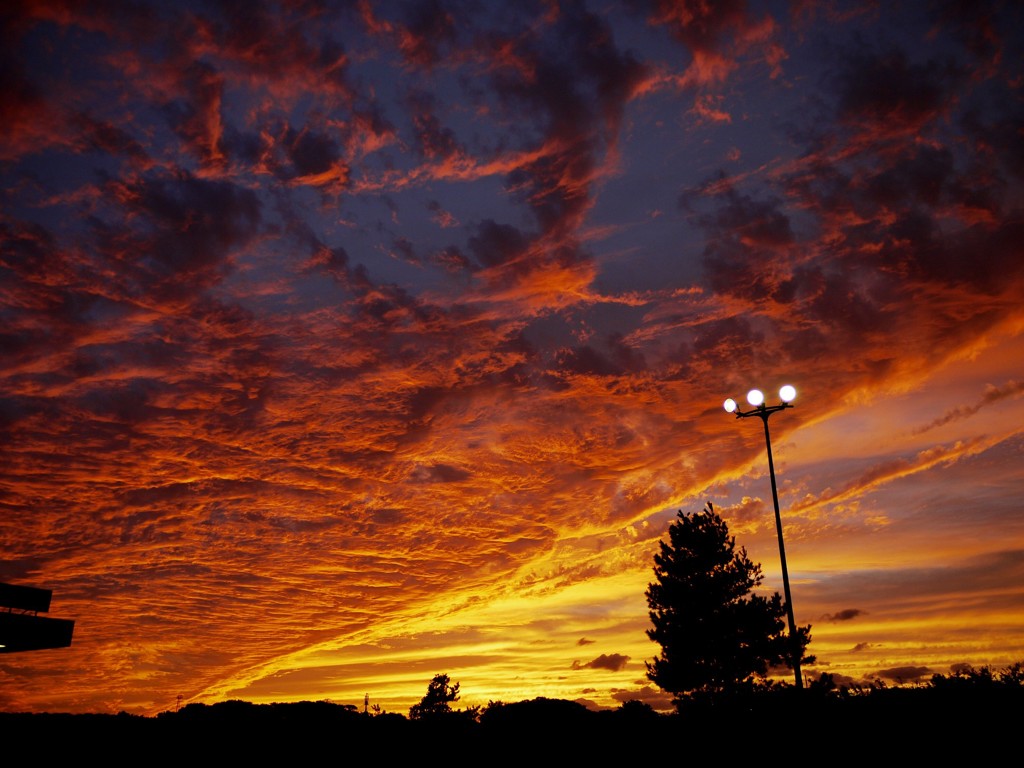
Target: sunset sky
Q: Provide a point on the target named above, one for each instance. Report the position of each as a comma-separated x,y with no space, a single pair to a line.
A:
349,343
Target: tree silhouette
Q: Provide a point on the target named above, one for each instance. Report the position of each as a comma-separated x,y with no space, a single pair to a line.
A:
437,700
716,635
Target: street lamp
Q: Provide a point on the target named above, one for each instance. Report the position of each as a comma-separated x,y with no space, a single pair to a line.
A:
756,399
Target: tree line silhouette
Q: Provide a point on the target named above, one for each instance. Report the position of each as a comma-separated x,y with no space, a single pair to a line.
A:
971,712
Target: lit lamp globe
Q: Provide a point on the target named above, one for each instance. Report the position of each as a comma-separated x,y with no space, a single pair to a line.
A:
755,397
787,393
730,405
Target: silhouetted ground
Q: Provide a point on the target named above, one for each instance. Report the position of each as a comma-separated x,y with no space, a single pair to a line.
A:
926,723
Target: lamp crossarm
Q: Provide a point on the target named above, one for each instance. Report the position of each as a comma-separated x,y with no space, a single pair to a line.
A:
764,411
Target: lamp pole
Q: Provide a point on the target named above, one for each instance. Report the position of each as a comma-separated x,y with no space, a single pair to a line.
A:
762,411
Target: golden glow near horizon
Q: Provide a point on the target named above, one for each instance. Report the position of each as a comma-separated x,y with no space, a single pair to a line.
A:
386,342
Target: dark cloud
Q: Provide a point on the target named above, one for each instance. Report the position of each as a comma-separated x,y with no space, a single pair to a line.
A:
657,699
20,571
586,360
991,396
993,127
388,516
441,473
890,93
184,230
845,681
312,153
333,261
452,260
917,178
614,73
428,29
434,139
196,117
699,26
975,25
22,105
497,244
747,240
906,674
111,139
844,615
403,249
612,662
574,76
256,40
